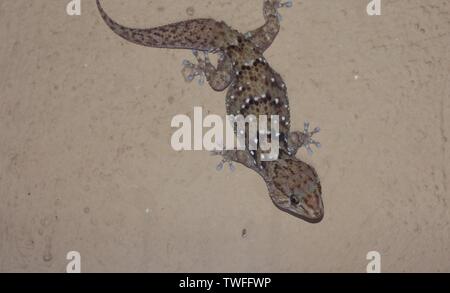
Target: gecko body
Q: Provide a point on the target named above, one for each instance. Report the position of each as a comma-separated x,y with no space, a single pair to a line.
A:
253,88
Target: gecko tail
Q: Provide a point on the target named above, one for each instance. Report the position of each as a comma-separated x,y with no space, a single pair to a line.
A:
196,34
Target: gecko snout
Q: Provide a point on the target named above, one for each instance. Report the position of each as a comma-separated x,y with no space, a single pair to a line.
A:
307,206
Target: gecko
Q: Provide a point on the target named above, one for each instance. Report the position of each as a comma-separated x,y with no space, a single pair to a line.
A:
252,87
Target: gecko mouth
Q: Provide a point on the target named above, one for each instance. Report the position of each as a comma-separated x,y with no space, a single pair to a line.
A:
300,214
309,216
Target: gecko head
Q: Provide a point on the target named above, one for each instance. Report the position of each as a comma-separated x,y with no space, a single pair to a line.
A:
295,189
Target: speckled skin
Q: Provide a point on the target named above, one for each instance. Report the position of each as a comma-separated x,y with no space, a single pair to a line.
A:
254,88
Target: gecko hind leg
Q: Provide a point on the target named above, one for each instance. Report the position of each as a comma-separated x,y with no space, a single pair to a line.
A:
305,139
218,78
190,70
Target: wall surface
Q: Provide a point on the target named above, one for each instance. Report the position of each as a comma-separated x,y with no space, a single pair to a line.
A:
86,162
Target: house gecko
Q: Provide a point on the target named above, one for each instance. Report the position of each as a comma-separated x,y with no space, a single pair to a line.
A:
253,88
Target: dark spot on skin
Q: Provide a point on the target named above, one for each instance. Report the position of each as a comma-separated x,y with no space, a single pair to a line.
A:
294,200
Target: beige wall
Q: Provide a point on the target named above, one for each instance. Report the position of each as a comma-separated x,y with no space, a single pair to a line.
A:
86,162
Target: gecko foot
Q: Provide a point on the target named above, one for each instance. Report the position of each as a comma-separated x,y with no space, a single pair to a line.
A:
308,138
225,160
271,8
278,5
190,70
227,157
303,139
287,4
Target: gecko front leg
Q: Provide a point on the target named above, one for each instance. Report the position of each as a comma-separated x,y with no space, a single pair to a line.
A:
305,139
218,78
242,157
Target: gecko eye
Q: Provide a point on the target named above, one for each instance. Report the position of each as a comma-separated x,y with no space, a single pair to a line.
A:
294,200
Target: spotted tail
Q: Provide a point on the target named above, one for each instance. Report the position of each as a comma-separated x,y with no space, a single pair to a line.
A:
198,34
